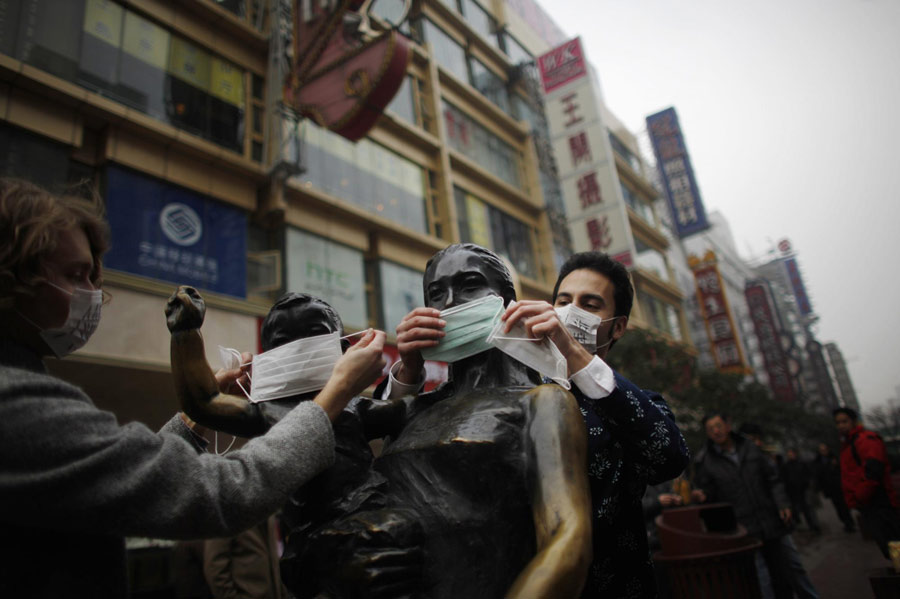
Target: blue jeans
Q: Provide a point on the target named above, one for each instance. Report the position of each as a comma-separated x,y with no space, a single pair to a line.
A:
780,571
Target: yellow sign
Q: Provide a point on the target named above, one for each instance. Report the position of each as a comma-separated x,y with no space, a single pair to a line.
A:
146,41
189,63
227,82
103,20
479,227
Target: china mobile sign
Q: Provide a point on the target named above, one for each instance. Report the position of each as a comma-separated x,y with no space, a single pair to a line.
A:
723,339
595,208
677,174
774,357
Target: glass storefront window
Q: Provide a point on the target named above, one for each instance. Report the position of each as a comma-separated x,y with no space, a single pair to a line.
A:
492,228
480,145
367,175
491,85
111,50
328,270
401,292
32,157
450,55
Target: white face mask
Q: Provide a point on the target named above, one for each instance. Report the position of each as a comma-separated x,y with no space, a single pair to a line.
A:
540,354
83,319
294,368
583,326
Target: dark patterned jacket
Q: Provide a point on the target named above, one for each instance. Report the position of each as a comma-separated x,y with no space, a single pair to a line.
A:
632,442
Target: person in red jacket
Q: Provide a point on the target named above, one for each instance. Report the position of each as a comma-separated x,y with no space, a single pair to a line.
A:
866,478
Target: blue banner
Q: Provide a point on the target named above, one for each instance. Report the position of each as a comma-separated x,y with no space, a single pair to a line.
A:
682,192
798,287
165,232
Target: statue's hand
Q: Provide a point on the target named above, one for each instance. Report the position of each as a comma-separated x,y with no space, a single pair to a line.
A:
185,310
420,329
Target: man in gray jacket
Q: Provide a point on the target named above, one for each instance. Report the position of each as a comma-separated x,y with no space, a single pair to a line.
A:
73,483
732,469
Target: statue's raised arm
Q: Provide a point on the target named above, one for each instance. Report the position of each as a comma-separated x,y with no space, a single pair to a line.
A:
195,384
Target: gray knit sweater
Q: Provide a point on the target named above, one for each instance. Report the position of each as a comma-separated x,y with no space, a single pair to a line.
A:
73,483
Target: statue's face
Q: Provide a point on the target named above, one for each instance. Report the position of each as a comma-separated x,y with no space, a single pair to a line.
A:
459,277
298,322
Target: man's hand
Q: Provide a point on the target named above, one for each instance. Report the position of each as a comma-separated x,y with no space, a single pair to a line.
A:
669,499
698,495
418,330
540,320
236,381
785,515
357,369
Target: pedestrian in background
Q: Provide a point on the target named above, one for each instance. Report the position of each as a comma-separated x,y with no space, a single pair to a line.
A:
827,471
866,478
732,469
797,478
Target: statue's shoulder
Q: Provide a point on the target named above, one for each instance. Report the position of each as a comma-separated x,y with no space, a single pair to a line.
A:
551,392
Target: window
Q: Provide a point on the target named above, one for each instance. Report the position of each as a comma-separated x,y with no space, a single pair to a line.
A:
116,52
403,104
642,208
238,7
401,292
482,224
449,54
481,21
32,157
481,146
622,150
516,52
491,85
328,270
662,316
652,260
367,175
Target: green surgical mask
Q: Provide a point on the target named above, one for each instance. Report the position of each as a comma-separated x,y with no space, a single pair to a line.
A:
467,330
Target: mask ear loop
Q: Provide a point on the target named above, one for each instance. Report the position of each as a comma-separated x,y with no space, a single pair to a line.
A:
357,333
227,449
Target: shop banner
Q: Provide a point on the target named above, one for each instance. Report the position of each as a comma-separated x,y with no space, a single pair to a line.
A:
165,232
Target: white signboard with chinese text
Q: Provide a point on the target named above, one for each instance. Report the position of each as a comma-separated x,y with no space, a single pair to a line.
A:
595,209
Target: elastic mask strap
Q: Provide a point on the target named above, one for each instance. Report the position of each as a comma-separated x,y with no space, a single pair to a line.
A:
216,446
363,332
516,338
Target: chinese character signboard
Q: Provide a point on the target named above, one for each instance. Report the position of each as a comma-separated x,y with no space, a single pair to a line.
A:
677,174
723,339
763,317
798,287
596,211
166,232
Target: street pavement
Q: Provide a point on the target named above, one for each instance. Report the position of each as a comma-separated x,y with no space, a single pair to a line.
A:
838,562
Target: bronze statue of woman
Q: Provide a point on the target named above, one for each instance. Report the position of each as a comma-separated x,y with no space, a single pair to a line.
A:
486,476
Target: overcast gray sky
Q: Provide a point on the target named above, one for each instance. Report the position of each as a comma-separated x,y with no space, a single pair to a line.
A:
791,114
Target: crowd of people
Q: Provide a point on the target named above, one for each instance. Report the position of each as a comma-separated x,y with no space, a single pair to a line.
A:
474,494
